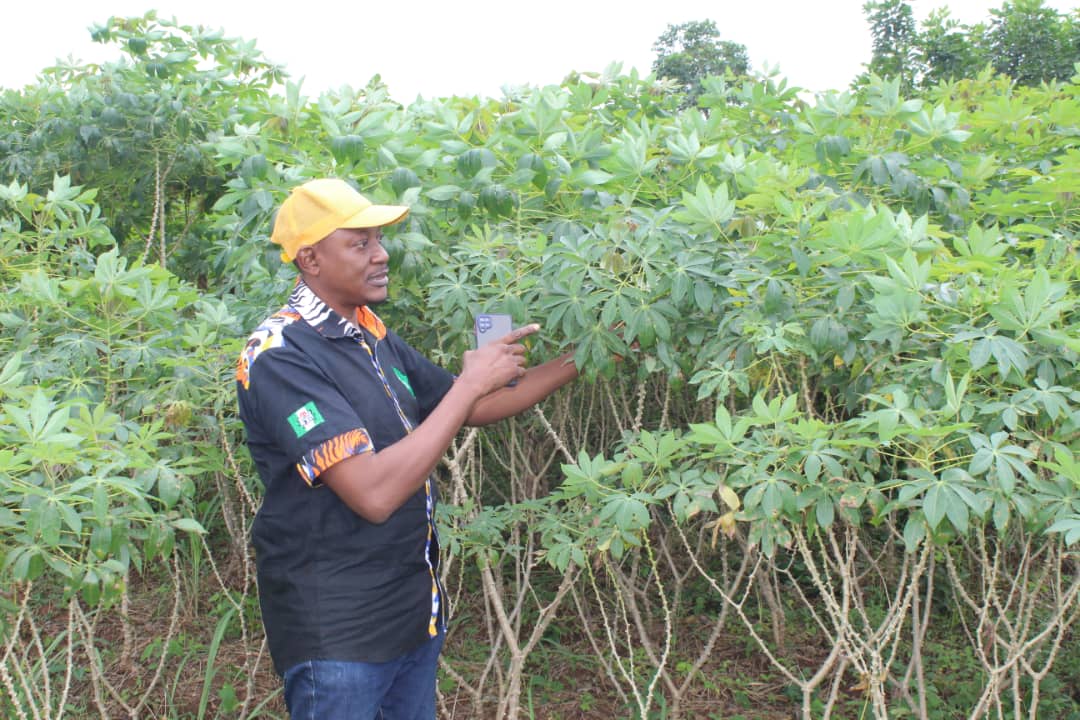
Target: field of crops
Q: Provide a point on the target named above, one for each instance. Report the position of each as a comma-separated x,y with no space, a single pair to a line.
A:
823,458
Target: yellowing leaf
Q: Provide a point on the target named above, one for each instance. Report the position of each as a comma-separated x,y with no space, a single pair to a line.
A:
729,496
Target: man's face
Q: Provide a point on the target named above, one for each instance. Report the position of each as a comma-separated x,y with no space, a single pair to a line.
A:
352,268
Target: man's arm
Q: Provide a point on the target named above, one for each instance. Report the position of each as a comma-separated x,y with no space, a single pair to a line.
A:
535,385
374,485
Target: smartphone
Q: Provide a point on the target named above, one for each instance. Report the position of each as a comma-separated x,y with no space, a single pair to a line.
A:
490,327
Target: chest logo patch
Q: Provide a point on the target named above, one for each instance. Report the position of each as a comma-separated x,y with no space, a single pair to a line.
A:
305,419
404,380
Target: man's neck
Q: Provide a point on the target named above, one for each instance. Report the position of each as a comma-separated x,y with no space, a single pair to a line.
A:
348,312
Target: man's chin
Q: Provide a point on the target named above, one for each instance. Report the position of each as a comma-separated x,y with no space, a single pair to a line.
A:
379,301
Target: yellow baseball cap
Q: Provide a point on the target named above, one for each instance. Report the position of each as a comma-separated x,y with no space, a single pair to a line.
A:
319,207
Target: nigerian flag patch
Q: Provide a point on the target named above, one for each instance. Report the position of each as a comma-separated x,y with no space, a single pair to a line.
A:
305,419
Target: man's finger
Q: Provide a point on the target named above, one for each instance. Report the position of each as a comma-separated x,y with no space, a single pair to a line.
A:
520,332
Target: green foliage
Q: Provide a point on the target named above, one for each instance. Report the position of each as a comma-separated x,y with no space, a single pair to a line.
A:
855,312
134,128
892,28
689,52
94,482
1025,40
1032,43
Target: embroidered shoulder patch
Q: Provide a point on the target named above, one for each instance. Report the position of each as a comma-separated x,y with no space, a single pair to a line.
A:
305,419
267,336
404,381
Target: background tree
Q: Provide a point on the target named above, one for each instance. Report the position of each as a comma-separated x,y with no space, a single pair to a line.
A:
692,51
946,50
892,26
1031,43
1025,40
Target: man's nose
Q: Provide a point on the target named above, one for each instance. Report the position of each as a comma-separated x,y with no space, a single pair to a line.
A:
381,256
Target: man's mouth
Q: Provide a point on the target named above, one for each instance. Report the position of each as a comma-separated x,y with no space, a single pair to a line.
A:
380,279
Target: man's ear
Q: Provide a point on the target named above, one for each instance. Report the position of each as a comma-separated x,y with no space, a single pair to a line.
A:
307,260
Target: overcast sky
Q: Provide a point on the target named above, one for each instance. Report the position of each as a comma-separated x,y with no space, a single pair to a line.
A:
438,48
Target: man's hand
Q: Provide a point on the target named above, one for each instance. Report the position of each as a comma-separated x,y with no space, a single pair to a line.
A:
491,367
375,485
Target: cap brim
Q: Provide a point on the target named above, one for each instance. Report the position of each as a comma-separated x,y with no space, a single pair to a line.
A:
376,216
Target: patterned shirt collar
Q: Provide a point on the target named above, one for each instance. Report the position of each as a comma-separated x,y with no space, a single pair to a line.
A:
327,321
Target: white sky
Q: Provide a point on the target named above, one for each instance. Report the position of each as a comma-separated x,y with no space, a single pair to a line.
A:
439,48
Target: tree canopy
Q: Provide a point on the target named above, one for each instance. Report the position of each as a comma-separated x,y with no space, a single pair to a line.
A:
1025,39
689,52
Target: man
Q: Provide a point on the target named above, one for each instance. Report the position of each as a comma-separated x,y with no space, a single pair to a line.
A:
346,422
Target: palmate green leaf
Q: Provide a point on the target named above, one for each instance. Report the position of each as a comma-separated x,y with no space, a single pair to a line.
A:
39,287
934,504
912,276
587,468
949,500
706,210
954,394
13,193
46,521
1037,307
13,461
11,376
1069,527
957,512
153,297
656,449
709,435
168,486
42,423
188,525
1056,339
720,437
1054,400
1000,514
981,243
1008,353
592,178
562,552
687,505
825,512
778,410
1065,465
26,562
101,540
828,335
914,531
627,512
823,457
685,148
1007,461
100,501
71,517
630,154
774,496
939,124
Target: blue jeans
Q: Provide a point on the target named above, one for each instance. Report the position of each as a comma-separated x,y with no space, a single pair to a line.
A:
401,689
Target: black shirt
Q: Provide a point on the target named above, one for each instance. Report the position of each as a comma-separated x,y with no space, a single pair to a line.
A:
314,389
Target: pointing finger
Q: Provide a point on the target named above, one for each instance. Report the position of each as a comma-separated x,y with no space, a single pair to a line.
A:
521,332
